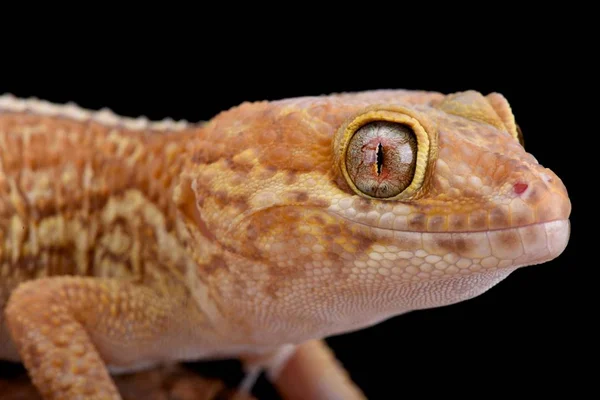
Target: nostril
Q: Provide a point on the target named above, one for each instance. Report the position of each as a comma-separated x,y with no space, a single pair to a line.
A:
520,187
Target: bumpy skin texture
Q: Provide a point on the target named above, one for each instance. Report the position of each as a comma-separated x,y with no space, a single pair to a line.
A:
243,237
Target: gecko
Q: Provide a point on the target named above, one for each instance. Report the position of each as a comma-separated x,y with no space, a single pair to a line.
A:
127,243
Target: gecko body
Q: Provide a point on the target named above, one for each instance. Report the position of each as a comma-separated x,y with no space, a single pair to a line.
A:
125,243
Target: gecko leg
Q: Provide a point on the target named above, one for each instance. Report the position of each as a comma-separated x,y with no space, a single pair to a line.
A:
307,371
68,329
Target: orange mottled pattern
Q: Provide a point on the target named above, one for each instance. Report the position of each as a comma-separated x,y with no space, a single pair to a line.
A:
267,189
58,164
243,234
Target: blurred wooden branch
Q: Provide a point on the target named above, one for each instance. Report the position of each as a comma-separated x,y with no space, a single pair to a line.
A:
167,383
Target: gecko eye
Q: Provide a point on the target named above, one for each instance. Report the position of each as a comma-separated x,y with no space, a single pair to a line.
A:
384,152
381,158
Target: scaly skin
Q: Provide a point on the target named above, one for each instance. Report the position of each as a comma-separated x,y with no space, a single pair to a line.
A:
126,244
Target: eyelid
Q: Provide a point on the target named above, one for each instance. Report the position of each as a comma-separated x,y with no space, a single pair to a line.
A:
520,136
426,145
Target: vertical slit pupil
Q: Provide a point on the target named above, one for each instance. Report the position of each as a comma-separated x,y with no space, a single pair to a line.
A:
379,158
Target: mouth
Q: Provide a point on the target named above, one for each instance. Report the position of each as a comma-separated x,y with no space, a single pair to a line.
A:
421,255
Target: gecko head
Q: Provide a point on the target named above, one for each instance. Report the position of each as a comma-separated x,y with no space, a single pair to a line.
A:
370,204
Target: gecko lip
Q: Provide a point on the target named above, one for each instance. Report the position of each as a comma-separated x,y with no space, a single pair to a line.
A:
506,247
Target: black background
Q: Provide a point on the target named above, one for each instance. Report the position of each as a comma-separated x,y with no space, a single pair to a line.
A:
526,336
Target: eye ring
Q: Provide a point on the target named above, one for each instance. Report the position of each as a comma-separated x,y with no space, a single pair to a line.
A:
396,115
